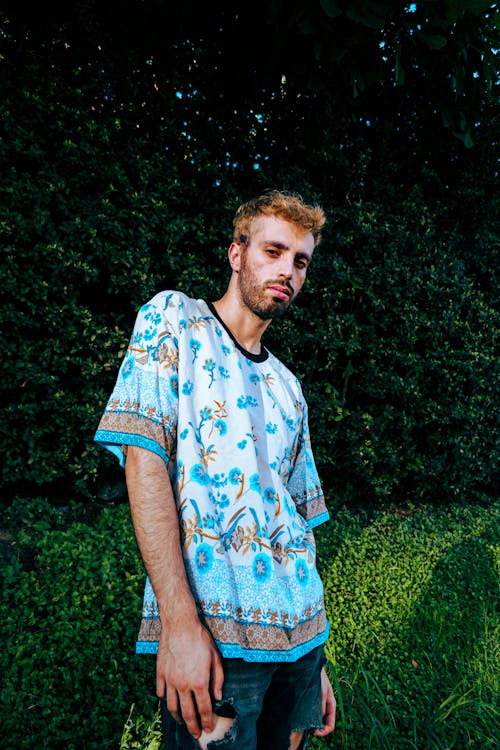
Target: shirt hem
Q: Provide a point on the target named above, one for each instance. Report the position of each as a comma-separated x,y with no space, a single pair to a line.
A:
317,520
113,440
235,651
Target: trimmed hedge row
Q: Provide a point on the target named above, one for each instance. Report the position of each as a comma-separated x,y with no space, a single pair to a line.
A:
395,336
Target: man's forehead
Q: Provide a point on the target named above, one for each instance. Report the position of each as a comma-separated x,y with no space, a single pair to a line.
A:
275,230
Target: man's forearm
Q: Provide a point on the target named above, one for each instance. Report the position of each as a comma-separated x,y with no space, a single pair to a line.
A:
156,525
188,666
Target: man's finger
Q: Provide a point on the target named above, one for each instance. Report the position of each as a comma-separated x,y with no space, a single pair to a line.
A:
330,711
173,705
204,708
160,686
328,725
189,714
328,721
329,707
217,678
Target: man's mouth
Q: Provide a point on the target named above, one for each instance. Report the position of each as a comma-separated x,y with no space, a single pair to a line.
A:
282,292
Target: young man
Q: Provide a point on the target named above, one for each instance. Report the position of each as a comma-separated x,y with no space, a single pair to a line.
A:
224,493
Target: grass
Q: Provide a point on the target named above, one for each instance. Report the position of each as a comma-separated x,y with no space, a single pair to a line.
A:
414,603
413,599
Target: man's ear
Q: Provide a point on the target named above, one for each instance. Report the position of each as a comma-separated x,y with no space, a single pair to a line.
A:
234,254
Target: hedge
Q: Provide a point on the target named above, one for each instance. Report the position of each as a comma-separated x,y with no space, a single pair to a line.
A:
395,336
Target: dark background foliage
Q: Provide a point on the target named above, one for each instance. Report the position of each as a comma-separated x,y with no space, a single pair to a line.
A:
131,131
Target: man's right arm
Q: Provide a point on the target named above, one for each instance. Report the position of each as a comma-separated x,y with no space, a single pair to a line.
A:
188,667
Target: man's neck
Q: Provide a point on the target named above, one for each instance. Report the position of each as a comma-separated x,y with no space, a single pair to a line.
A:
246,327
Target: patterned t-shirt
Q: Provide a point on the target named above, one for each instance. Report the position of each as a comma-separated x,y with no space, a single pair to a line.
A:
232,429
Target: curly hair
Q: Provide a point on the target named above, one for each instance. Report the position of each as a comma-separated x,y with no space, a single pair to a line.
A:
283,205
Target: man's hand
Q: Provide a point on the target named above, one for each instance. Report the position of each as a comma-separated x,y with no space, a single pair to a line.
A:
189,667
328,707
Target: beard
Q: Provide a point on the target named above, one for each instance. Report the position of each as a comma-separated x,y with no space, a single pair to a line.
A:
254,297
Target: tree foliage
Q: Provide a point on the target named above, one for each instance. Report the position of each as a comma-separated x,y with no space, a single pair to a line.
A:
130,132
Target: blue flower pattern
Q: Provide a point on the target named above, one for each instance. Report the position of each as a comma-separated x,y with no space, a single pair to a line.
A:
242,469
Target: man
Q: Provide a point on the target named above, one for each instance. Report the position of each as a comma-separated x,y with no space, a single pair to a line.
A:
212,430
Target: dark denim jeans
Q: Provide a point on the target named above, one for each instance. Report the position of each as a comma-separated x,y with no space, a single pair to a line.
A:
268,703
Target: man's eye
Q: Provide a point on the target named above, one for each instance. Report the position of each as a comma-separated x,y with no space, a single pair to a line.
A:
301,264
271,251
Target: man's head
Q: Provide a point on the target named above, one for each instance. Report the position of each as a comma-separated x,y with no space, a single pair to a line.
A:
283,205
275,236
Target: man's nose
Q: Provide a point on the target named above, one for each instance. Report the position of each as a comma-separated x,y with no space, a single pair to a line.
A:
286,266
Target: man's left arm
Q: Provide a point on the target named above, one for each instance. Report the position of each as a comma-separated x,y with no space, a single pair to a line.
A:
328,706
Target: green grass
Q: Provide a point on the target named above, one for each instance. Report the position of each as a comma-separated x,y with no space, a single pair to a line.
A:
414,652
140,733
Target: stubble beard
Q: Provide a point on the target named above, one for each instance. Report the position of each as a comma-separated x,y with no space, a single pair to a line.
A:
253,295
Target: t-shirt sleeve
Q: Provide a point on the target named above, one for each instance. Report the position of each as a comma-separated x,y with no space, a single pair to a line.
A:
304,484
142,409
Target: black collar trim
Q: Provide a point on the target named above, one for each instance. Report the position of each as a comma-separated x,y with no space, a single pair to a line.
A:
261,357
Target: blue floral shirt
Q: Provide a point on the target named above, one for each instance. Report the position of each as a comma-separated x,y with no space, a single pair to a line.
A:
232,429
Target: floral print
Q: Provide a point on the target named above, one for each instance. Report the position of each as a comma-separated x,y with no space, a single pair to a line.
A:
232,429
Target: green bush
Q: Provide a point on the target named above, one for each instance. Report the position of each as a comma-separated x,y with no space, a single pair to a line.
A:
87,239
395,336
404,302
70,610
396,344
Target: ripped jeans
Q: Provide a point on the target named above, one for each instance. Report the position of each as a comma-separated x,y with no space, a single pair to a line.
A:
267,702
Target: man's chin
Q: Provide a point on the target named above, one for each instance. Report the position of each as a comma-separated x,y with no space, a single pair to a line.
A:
276,310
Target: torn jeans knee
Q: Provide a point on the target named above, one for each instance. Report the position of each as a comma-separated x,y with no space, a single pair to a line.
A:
225,731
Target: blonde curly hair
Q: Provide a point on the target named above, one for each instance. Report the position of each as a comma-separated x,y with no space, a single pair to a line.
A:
283,205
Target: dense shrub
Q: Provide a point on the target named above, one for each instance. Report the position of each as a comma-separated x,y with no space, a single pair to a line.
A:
395,336
92,227
70,604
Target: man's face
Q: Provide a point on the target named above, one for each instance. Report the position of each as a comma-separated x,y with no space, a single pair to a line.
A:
273,265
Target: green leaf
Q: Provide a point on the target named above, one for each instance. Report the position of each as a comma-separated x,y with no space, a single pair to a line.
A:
433,41
371,15
331,8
